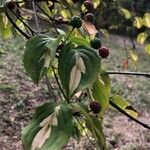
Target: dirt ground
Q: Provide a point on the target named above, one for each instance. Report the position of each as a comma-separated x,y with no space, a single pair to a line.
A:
19,97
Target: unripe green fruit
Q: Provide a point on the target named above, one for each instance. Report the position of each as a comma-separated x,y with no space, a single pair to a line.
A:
88,5
11,5
90,17
96,43
104,52
75,22
95,107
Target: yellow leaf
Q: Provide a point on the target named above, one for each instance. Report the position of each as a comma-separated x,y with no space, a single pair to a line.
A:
146,20
142,37
41,138
126,13
134,56
138,22
147,48
96,3
5,20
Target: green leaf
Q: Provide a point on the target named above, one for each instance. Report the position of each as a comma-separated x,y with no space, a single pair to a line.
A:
78,68
79,40
50,128
142,37
93,124
28,133
101,91
124,105
39,54
97,132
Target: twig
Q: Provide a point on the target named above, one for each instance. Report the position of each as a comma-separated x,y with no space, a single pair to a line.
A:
50,89
59,85
35,16
16,27
85,132
126,114
130,73
21,20
51,19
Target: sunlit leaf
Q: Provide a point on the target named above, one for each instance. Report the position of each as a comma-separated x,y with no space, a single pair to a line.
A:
142,37
138,22
79,40
126,13
96,3
146,20
124,105
134,55
101,91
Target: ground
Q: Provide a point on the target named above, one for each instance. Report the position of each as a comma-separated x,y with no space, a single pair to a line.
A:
19,97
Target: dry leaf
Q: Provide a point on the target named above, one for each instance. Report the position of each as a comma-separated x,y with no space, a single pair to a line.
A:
125,64
80,64
75,77
41,138
89,28
50,120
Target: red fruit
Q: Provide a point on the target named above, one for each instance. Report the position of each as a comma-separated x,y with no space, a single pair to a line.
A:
88,5
90,17
104,52
95,107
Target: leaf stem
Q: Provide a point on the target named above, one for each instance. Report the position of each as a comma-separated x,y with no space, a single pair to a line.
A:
126,114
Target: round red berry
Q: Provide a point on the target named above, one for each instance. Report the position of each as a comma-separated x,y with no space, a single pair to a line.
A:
104,52
90,17
88,5
95,107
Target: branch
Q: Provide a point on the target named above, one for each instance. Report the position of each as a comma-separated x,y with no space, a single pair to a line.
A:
21,20
50,89
59,85
16,27
130,73
126,114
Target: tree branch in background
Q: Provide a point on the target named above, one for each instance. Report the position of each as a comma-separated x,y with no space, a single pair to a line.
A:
126,114
16,27
130,73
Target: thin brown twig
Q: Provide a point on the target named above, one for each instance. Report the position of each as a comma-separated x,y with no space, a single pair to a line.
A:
130,73
59,85
16,27
126,114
